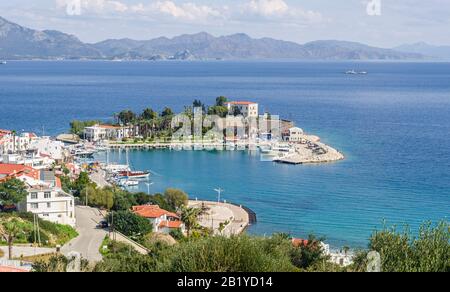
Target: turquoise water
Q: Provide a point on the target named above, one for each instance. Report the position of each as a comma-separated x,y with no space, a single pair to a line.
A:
393,125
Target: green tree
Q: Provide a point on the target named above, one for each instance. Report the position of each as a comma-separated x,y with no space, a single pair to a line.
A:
189,216
402,252
126,117
221,111
82,182
142,198
176,199
97,197
77,127
167,112
10,229
149,114
12,192
123,200
129,223
221,100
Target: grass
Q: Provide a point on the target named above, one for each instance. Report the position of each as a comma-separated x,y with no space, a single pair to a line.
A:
38,258
51,234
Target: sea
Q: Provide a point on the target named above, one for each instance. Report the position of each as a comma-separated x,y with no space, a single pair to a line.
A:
393,125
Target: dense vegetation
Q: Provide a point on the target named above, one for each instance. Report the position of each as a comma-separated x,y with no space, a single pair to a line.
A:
399,251
155,125
402,252
12,192
18,228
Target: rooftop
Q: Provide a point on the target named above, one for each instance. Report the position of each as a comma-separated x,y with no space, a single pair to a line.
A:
18,169
241,103
152,211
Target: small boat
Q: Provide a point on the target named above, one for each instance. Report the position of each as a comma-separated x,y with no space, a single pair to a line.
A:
353,72
128,183
3,63
134,174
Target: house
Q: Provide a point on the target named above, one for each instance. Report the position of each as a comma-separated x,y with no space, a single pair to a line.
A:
45,195
247,109
99,133
5,138
163,221
50,148
14,143
296,135
35,161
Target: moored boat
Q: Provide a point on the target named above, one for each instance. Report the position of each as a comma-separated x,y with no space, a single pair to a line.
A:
134,174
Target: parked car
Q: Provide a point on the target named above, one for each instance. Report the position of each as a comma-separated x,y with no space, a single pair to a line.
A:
103,224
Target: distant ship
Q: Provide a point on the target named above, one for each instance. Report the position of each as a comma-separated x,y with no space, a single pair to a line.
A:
353,72
2,62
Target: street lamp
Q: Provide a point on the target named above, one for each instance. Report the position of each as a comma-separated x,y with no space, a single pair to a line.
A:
219,193
148,187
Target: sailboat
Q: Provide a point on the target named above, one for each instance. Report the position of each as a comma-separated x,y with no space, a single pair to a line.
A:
129,174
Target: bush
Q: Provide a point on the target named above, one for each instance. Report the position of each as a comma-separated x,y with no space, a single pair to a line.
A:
401,252
220,254
129,223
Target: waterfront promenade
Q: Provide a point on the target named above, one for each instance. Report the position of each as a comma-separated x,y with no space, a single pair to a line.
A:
237,217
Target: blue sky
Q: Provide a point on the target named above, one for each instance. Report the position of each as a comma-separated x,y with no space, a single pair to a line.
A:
401,21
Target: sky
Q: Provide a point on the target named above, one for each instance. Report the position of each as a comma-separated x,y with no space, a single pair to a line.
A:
384,23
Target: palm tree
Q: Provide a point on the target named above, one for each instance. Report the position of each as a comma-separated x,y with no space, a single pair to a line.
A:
13,132
10,229
189,216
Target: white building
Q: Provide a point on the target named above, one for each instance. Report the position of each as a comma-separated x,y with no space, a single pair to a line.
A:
99,133
45,195
35,161
14,143
51,204
45,146
296,135
247,109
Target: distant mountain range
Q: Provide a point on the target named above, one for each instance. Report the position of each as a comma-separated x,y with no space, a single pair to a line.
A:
441,52
17,42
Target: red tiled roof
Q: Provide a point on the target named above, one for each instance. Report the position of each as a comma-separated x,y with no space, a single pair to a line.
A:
241,102
11,270
152,211
171,224
297,242
108,127
18,169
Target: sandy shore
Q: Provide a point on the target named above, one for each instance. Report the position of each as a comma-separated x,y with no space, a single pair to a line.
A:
221,213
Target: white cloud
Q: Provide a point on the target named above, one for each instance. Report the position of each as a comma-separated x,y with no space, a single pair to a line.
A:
279,10
250,10
156,9
267,7
187,11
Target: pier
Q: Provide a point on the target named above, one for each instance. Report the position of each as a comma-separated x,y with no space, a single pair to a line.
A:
218,214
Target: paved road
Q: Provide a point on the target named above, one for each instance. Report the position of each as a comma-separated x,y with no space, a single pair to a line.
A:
26,251
99,178
90,238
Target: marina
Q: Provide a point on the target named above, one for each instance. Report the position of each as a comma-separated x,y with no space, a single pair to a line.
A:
380,127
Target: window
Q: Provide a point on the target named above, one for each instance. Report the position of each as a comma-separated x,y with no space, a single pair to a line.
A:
34,196
34,206
49,205
47,195
45,215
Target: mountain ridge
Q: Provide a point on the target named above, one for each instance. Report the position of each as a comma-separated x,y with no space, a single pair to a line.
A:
18,42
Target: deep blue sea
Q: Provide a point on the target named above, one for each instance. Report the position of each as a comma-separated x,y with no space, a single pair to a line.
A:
393,125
